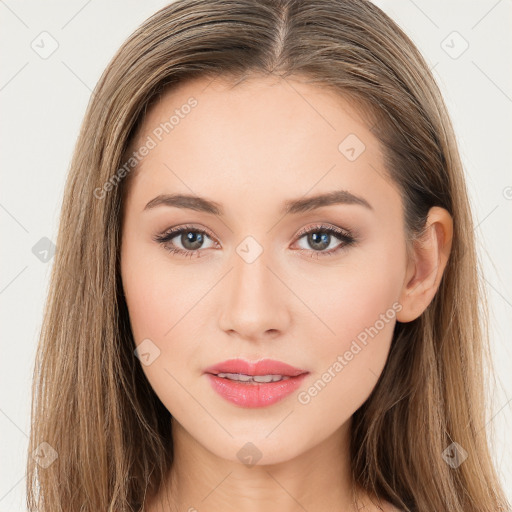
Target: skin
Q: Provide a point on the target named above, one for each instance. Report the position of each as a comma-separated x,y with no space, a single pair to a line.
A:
250,148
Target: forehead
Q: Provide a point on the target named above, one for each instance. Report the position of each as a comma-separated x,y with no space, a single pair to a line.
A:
263,106
212,135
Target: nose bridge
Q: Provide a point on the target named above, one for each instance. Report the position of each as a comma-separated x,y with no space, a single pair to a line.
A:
255,303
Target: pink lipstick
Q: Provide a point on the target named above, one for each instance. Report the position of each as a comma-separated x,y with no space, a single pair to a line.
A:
254,384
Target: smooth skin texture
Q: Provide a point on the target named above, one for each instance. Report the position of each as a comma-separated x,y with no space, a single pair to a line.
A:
250,148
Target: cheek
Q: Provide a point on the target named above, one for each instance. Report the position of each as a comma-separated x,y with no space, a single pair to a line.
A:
160,302
157,295
146,303
361,311
352,296
356,309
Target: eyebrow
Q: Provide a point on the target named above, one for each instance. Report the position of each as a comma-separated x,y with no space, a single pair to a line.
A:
292,206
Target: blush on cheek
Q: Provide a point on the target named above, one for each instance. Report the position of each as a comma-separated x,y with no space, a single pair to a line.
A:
149,296
144,308
363,325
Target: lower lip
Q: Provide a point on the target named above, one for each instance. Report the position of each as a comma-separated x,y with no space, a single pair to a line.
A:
258,394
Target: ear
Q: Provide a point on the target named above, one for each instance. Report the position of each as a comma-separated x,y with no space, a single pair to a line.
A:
427,261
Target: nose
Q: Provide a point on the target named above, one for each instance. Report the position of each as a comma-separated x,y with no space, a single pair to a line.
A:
256,302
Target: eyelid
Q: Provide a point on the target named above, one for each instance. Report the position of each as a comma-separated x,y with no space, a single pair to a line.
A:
303,231
324,227
177,229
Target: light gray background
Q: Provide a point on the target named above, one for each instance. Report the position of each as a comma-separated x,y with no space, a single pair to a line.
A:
43,101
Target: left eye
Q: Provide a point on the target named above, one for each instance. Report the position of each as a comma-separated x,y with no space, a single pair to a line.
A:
319,237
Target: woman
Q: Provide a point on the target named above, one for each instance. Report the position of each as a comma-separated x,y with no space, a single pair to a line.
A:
265,291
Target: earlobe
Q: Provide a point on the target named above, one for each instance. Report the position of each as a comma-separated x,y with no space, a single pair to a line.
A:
429,256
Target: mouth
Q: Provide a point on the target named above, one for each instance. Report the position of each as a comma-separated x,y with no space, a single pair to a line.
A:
243,370
252,379
254,384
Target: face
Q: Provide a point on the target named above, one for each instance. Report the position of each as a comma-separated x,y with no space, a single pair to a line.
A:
315,286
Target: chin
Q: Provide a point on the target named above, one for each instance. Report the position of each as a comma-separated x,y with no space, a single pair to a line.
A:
259,448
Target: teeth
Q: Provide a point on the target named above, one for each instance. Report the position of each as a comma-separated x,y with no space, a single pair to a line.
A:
252,378
235,376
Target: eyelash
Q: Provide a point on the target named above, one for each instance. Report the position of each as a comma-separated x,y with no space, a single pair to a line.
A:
343,235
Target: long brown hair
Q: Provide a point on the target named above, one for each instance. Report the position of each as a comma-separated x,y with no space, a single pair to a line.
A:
92,406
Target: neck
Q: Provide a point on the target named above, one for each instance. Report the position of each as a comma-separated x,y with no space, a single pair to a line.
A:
317,479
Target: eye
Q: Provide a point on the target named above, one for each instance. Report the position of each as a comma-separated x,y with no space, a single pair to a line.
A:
190,238
321,237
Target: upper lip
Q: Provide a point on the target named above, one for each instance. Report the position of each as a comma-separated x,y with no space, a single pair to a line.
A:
262,367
